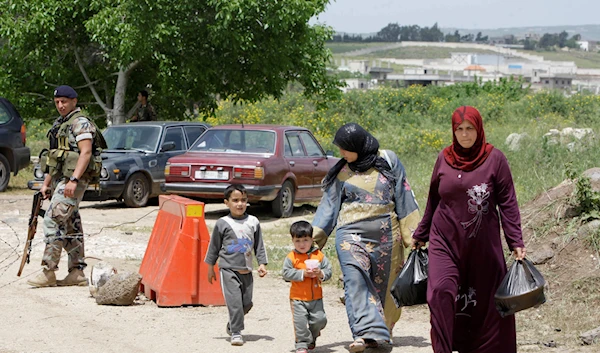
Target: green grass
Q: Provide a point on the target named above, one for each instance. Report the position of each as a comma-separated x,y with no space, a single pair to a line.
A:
407,53
423,52
279,243
36,145
339,48
18,183
587,60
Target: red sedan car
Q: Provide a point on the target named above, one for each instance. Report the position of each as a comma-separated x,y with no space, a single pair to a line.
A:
277,164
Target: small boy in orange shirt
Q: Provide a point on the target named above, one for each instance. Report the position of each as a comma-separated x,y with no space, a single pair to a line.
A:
306,293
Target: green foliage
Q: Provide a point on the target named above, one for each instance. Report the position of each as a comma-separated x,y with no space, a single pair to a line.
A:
587,201
415,123
189,52
395,33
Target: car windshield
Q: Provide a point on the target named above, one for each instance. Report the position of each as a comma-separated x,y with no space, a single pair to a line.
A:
132,137
236,141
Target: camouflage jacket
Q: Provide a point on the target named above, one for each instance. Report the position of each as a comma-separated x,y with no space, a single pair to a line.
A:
145,113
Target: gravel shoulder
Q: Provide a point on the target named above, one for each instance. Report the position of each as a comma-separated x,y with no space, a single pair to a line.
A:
67,319
64,319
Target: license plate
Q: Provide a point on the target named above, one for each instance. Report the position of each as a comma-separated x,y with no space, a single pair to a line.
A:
212,174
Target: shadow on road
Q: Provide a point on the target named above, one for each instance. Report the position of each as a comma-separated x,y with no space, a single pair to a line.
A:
411,341
249,338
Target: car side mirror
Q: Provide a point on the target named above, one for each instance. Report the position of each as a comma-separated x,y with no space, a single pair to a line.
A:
329,153
167,146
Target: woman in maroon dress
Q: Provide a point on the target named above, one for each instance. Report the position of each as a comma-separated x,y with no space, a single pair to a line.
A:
470,195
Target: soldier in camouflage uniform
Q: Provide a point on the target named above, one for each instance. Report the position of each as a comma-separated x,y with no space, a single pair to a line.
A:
62,222
145,111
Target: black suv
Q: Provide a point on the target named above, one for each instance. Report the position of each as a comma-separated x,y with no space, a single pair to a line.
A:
14,155
133,165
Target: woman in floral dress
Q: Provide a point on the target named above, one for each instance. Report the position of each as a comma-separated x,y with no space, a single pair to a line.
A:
470,195
369,203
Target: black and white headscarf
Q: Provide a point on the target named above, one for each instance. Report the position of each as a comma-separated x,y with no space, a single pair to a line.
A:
352,137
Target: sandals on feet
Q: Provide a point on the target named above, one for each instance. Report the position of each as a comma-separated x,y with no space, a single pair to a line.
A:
358,345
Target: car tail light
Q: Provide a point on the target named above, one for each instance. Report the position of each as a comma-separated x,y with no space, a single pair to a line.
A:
178,170
23,134
249,172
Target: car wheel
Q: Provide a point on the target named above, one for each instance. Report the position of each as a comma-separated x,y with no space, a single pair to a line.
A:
4,173
137,191
283,205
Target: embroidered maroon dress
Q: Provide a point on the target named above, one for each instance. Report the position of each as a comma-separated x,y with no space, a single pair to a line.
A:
466,261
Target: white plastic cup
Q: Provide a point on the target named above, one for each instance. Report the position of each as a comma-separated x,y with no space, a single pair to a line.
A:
311,264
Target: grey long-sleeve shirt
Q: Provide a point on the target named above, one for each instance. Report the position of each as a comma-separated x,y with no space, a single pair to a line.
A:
232,242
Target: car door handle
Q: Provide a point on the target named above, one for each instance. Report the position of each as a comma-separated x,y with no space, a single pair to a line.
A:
315,163
292,163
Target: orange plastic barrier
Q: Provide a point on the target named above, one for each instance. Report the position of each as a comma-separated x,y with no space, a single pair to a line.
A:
173,270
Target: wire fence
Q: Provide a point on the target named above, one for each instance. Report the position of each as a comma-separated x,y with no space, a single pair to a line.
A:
12,242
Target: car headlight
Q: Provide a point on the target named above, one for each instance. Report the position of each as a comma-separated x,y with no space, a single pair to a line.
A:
38,173
104,173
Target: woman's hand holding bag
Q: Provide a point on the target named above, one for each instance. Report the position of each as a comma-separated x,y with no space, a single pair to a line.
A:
410,288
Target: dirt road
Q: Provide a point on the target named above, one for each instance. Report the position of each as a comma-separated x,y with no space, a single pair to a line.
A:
68,319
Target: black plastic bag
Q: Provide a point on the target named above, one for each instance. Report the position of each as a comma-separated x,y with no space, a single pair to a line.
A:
521,288
410,288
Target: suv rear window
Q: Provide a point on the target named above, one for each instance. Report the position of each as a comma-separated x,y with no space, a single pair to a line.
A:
4,114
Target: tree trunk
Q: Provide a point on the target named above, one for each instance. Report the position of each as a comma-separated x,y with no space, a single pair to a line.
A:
118,111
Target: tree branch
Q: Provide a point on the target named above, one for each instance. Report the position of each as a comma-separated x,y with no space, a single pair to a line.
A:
131,66
36,95
89,82
87,85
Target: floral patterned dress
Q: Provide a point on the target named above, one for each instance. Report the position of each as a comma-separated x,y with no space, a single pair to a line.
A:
466,260
373,218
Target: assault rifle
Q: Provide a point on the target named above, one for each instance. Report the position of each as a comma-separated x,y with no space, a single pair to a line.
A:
36,211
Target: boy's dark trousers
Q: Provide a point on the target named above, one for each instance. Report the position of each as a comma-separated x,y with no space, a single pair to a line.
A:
237,290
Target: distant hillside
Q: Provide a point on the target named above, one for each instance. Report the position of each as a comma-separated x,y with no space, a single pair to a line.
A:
588,32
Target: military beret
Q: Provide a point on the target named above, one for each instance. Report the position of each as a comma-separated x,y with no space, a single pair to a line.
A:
65,91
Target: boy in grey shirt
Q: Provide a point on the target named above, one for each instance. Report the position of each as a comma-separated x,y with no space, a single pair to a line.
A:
234,238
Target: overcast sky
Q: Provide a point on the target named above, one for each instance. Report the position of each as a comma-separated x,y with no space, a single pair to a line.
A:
366,16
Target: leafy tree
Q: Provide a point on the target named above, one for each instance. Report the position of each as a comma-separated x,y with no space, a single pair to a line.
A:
467,38
433,34
393,33
188,52
562,39
389,33
529,44
481,39
344,37
410,33
548,40
572,42
452,38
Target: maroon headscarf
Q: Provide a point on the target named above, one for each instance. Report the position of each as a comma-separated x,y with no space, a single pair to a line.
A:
467,159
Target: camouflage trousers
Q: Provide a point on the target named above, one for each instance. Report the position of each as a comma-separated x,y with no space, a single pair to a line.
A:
62,227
